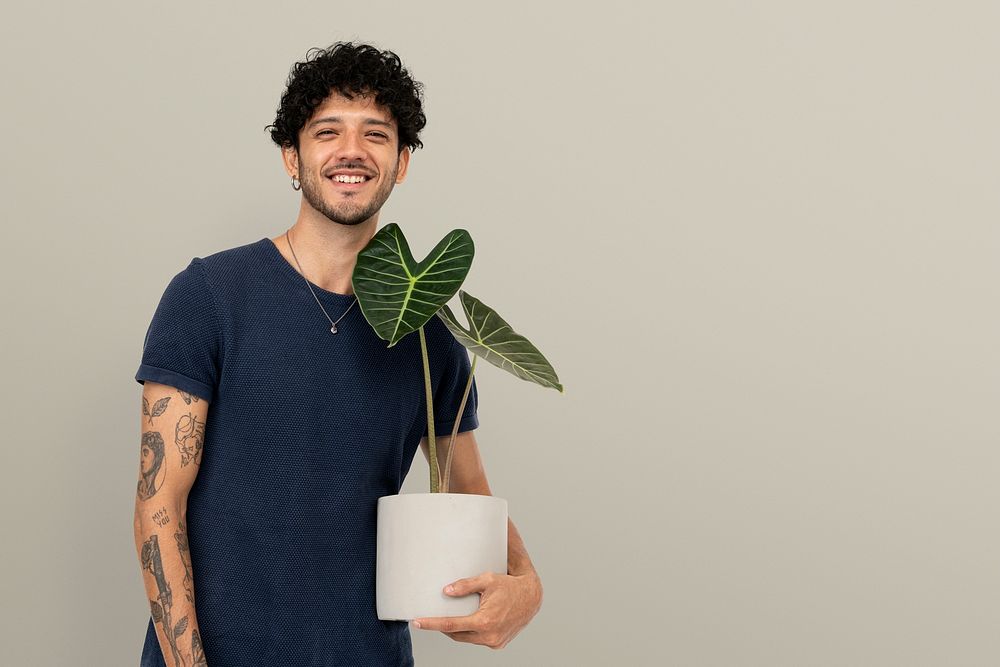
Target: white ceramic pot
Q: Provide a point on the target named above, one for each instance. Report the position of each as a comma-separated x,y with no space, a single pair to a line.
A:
428,540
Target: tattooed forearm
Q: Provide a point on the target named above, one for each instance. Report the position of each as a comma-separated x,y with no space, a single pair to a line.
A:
161,517
189,436
182,546
153,470
158,408
163,605
188,398
197,652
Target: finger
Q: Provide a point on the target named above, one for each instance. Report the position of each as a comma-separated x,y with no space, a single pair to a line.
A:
470,584
470,623
468,637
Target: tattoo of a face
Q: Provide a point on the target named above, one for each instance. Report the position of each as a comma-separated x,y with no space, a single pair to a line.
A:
161,517
188,398
182,546
158,408
189,436
197,652
162,606
152,469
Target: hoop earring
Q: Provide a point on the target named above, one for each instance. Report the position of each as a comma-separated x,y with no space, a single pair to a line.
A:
295,184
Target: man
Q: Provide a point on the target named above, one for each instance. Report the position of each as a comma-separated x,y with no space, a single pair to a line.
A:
274,417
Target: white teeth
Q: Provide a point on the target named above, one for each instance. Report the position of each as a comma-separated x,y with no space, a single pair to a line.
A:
340,178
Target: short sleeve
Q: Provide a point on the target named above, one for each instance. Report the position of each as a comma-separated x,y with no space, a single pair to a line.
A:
183,344
448,395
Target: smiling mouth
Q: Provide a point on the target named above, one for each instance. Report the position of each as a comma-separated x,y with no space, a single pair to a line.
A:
348,185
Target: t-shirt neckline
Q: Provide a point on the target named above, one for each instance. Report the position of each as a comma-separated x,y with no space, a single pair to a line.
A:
294,273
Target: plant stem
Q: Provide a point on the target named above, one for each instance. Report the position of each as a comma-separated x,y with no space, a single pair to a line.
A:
431,440
454,429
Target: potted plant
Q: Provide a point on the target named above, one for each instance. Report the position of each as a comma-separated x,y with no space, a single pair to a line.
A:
426,540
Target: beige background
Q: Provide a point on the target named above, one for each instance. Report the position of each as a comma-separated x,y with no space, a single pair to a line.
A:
758,241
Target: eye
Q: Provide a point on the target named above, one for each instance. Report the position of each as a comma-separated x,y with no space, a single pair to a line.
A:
323,132
379,134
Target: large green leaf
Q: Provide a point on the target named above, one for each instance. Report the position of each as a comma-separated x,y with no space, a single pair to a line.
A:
398,294
491,338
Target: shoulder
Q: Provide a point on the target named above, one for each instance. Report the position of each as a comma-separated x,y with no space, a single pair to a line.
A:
439,333
217,278
226,272
226,261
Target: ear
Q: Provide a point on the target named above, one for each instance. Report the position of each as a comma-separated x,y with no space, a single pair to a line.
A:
404,162
290,158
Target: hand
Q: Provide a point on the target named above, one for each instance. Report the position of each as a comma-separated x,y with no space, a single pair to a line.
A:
506,605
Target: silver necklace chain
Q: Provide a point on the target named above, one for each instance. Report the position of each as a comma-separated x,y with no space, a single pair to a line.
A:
333,325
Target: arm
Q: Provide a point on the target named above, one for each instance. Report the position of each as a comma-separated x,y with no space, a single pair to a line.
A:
508,602
173,432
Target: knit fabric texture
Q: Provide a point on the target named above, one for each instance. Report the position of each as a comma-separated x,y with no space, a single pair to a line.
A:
305,431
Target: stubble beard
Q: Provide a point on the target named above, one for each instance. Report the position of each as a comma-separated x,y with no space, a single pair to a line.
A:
347,211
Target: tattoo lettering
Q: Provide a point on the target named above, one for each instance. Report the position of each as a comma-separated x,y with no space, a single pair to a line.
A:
190,436
158,408
161,517
152,469
188,398
197,652
182,546
161,607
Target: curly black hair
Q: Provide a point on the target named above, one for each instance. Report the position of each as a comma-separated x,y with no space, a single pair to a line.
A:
349,69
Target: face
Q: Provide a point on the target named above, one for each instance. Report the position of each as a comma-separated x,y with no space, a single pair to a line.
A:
353,135
152,452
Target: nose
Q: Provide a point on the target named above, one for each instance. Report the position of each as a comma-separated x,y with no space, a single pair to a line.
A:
350,147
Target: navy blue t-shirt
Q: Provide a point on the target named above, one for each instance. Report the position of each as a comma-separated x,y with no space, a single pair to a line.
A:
305,431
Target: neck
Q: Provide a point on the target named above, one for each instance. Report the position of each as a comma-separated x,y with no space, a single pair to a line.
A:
326,250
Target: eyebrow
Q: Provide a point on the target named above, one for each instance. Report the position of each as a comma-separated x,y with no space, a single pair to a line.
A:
338,119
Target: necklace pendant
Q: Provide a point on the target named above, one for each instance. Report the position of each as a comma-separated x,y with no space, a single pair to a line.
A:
333,329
